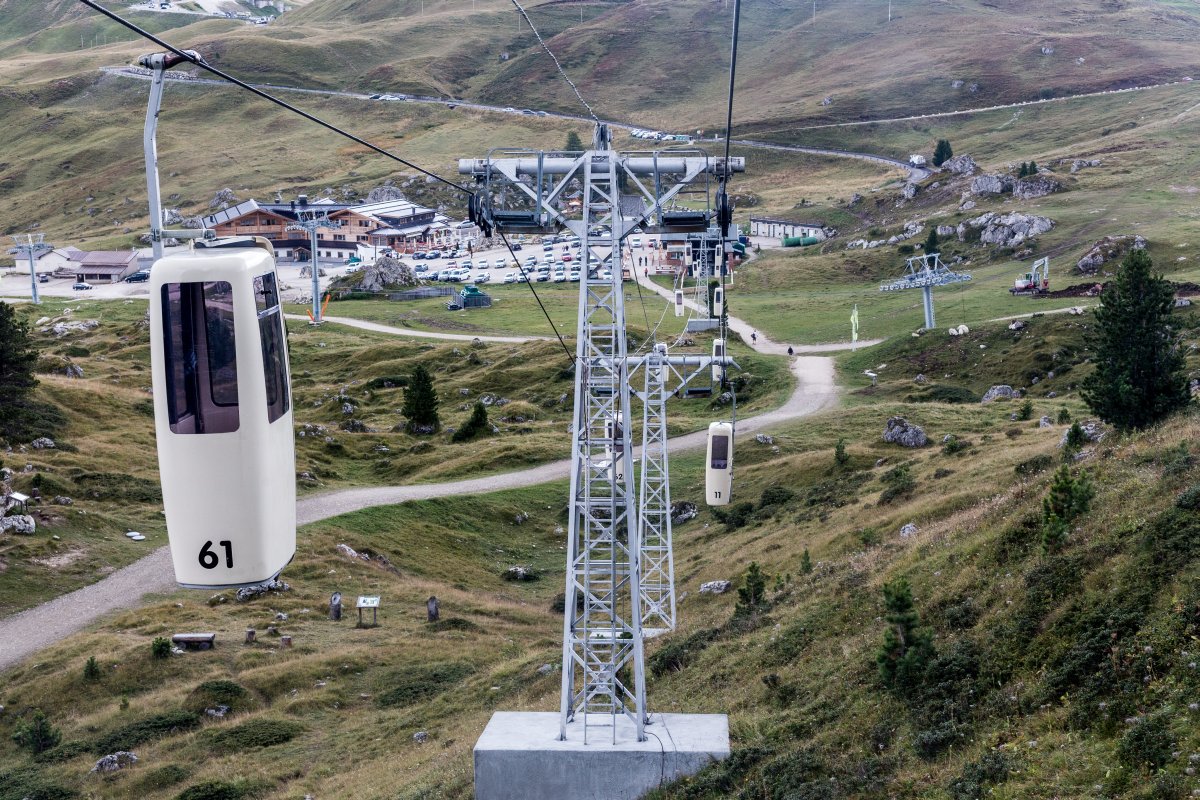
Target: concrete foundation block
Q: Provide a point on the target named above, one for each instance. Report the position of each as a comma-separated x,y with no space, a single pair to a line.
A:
519,756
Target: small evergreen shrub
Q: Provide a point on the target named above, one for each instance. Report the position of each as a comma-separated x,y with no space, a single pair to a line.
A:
1064,416
806,564
146,729
840,456
735,516
1190,499
162,777
1034,465
1025,412
36,734
752,594
898,483
1067,499
775,496
1147,745
907,647
160,647
220,692
221,790
91,670
475,425
677,654
410,686
256,733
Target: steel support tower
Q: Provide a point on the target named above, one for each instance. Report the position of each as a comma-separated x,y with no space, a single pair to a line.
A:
924,273
654,502
316,219
603,671
29,245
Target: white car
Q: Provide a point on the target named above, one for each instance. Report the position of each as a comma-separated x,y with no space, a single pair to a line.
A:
511,277
501,263
482,277
574,276
467,265
635,242
560,277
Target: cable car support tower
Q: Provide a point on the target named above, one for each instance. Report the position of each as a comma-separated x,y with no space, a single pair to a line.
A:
611,547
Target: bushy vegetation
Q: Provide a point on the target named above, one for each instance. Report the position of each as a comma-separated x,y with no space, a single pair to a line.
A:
36,734
475,425
254,733
406,687
1069,497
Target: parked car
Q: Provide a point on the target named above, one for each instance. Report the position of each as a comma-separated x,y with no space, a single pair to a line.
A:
573,277
543,277
516,247
43,278
635,242
560,277
568,257
141,276
501,263
511,277
82,286
432,254
482,277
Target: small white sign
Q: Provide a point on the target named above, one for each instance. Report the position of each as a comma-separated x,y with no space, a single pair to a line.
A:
368,602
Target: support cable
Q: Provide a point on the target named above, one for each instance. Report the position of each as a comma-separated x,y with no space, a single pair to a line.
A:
554,58
529,283
191,59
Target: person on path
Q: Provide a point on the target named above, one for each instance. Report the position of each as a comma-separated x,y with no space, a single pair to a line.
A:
754,337
791,352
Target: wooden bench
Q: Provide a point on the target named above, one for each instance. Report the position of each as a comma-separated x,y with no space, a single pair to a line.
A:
195,641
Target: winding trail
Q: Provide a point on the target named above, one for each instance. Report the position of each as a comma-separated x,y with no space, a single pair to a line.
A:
27,632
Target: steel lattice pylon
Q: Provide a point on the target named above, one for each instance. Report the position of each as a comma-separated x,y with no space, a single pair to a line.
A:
654,503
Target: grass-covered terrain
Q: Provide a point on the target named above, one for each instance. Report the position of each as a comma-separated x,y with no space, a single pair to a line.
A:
105,459
1050,672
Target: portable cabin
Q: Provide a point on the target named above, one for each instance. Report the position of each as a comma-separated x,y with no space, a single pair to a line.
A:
222,413
718,471
718,301
679,309
718,367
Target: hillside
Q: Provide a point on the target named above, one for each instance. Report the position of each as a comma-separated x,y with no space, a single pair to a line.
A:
1051,672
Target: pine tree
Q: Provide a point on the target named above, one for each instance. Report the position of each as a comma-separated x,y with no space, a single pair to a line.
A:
942,152
840,456
1139,377
574,144
1023,172
421,402
806,565
474,426
37,735
1067,499
753,591
907,647
17,360
931,242
1033,168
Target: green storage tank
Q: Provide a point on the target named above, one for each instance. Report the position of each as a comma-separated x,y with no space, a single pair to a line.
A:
800,241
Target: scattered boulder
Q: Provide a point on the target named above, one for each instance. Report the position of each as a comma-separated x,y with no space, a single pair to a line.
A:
250,592
1035,186
223,199
946,230
763,438
1045,422
114,762
80,326
961,165
902,432
1017,325
1000,392
347,550
62,500
1006,230
382,193
42,443
520,518
1093,429
920,380
1080,163
991,184
1076,311
421,737
217,712
22,524
682,511
520,573
356,426
545,669
716,587
1107,249
306,271
385,273
909,191
909,529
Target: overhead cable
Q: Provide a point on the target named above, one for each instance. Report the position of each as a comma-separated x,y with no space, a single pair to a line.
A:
554,58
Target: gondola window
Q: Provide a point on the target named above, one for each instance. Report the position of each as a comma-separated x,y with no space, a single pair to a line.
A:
201,357
270,327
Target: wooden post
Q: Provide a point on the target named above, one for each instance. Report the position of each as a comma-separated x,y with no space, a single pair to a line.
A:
431,609
250,634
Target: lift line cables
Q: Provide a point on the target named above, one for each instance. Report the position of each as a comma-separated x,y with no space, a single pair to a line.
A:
183,54
529,283
554,58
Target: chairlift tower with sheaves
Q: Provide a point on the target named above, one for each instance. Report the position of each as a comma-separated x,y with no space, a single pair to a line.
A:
614,541
924,273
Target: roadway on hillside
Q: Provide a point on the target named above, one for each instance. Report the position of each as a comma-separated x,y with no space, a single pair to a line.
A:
27,632
914,173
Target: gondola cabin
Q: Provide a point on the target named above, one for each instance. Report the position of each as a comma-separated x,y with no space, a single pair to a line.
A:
679,303
718,301
718,367
615,452
222,413
718,471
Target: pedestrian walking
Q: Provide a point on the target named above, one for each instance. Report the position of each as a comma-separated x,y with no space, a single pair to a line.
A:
791,352
754,337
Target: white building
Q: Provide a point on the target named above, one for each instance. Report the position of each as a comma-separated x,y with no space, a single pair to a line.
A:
786,229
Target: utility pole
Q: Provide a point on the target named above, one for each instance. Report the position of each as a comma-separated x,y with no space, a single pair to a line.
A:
29,245
889,10
317,220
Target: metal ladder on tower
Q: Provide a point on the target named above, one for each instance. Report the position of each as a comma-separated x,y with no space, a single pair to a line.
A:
654,502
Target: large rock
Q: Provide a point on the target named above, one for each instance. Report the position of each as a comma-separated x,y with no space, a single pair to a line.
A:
902,432
909,191
250,592
992,184
42,443
1080,163
114,762
1092,429
682,511
716,587
223,199
1000,392
20,524
961,165
1106,250
1006,230
1035,186
385,273
82,326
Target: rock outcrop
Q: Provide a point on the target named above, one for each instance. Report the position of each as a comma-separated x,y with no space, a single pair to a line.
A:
1035,186
992,184
1006,230
1107,249
961,165
1000,392
902,432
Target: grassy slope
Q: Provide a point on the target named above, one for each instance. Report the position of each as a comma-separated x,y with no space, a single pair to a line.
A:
107,462
1028,689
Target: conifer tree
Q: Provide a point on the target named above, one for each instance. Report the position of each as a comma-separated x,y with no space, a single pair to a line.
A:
931,241
574,144
942,152
17,360
1139,377
420,401
907,647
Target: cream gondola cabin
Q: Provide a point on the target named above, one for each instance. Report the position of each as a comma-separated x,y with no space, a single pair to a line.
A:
615,453
718,301
718,367
222,413
679,303
718,465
